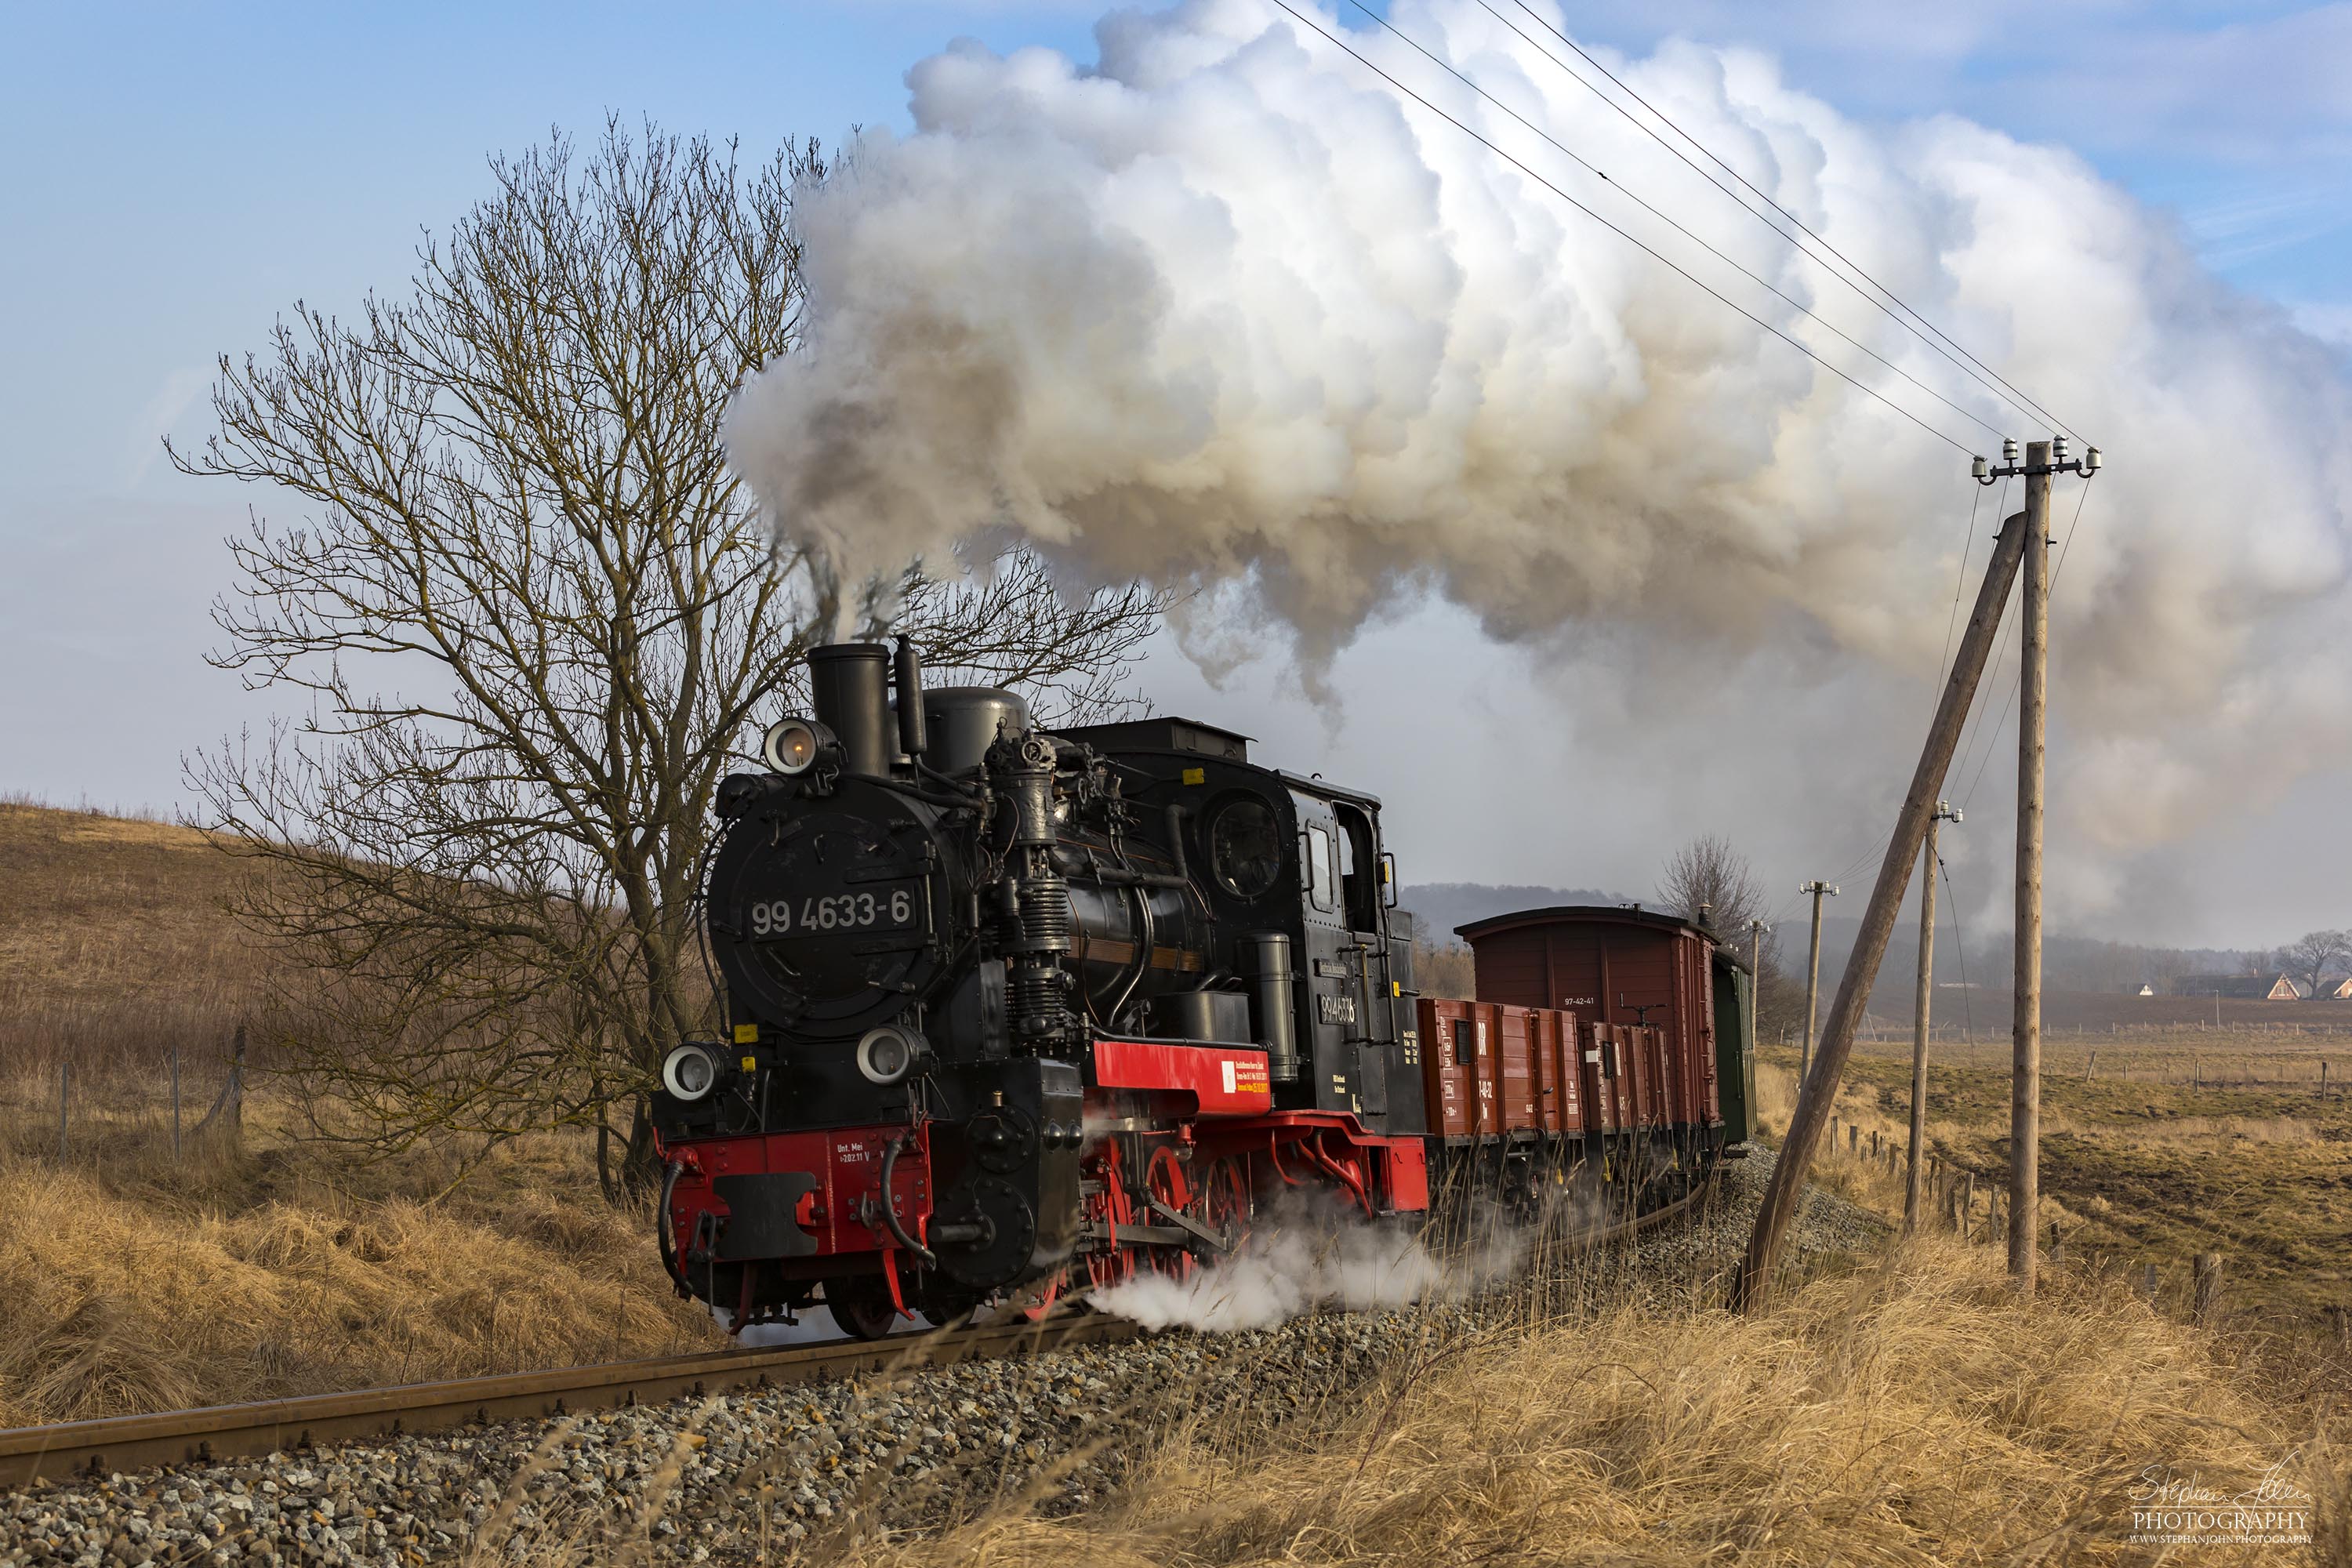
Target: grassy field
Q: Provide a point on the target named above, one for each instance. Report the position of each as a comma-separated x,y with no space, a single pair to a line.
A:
1913,1411
2166,1146
257,1263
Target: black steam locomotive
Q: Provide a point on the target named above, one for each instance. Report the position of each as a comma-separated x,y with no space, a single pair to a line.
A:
1016,1010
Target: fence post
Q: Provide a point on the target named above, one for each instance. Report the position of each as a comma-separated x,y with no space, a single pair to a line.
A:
2207,1292
2147,1282
1853,1138
65,1090
175,1105
2057,1243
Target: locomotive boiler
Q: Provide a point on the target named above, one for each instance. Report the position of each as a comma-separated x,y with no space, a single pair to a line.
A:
1012,1010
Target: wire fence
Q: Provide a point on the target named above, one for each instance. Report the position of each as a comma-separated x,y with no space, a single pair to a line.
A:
169,1105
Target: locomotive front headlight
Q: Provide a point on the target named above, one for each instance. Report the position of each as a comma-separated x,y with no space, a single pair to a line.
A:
689,1072
793,746
887,1053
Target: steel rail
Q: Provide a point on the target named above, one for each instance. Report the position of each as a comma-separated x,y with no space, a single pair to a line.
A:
219,1432
213,1434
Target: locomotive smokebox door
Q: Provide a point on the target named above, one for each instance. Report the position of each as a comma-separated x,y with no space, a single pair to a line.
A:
823,910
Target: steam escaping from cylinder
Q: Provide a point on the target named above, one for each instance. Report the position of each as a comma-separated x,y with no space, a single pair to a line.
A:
1227,310
1309,1256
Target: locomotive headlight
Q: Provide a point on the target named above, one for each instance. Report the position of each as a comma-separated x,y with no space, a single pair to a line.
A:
793,746
689,1072
887,1053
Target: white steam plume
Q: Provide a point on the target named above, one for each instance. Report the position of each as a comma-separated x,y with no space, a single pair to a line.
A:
1229,307
1306,1252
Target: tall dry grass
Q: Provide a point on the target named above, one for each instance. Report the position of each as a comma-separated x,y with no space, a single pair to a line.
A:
235,1278
1915,1412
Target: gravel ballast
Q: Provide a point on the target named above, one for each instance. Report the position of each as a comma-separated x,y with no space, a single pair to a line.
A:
728,1477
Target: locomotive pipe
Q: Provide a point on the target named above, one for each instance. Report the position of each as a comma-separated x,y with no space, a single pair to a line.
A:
849,682
908,678
915,1250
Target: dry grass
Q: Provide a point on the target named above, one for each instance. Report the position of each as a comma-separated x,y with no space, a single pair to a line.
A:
253,1278
1914,1412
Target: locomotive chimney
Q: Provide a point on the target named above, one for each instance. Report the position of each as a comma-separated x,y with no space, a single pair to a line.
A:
909,680
850,684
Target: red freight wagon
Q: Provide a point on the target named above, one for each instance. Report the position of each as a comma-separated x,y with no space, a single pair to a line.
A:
1607,1087
1514,1066
1489,1070
1558,1106
1616,966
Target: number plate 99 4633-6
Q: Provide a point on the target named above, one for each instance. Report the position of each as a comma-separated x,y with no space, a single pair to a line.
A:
888,906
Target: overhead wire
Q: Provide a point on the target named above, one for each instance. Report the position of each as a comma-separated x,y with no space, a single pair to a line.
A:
1628,192
2005,390
1340,44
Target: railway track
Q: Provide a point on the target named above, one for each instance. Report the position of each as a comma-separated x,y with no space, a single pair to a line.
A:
220,1432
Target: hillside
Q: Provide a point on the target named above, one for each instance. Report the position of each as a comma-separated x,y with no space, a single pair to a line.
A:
259,1262
114,944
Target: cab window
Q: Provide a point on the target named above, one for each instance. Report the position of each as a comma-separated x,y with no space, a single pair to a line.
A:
1318,866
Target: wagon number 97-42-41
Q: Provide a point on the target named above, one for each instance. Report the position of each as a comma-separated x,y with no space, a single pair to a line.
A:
839,911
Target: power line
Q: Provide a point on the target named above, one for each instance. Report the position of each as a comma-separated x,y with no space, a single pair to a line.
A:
1960,948
1960,581
2005,391
1628,192
1716,294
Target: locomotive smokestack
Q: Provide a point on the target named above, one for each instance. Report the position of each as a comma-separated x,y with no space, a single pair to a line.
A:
849,682
911,738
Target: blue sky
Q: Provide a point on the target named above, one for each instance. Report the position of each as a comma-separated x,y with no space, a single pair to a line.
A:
177,175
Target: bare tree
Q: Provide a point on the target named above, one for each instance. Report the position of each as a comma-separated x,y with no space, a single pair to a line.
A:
536,620
2309,957
1709,881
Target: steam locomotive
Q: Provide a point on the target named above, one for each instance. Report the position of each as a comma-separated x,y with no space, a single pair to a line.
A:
1013,1011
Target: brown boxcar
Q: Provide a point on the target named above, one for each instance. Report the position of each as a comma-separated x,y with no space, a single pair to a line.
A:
1616,966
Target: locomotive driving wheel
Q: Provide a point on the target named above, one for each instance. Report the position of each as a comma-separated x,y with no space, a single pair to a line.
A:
861,1304
1107,1208
1226,1203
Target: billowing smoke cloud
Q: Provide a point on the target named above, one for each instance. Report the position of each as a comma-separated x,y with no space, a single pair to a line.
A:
1227,309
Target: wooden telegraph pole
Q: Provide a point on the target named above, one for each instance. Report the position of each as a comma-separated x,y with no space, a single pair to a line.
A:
2025,1028
1944,812
1813,982
1756,930
1754,1285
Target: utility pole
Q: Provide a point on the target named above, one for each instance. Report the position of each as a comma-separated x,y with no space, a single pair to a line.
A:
1812,983
1754,1286
1945,812
2044,461
1756,930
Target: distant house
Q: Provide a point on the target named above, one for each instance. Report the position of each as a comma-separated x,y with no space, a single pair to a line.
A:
2142,990
2272,987
2335,990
